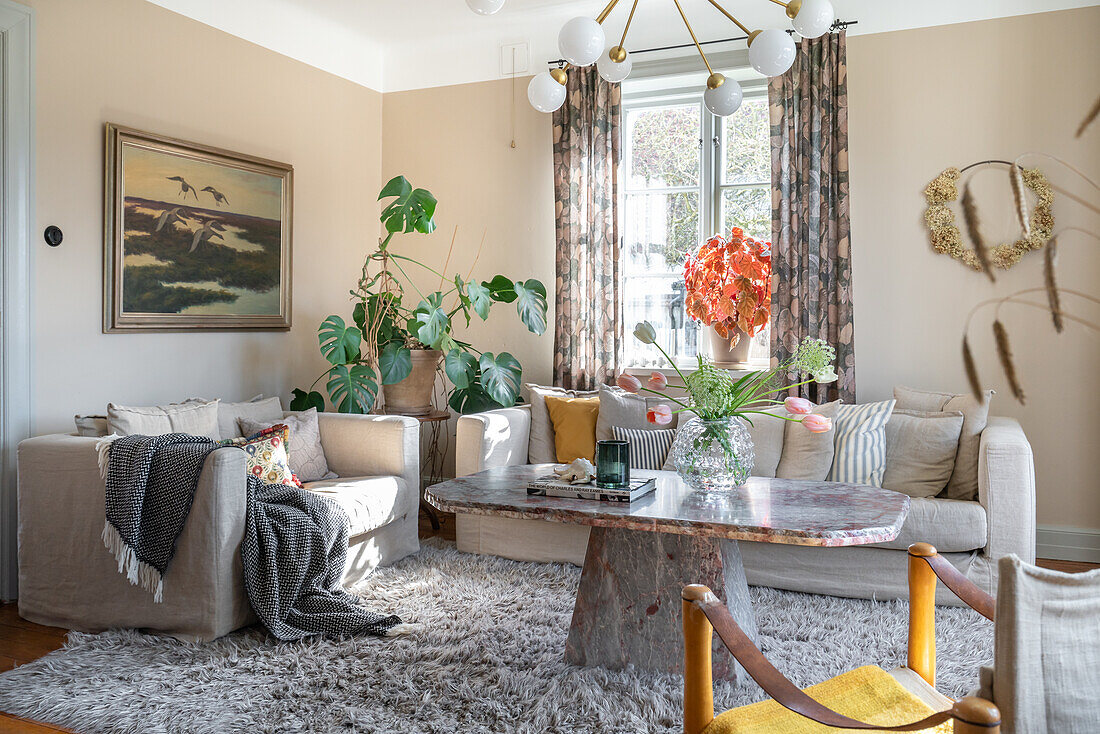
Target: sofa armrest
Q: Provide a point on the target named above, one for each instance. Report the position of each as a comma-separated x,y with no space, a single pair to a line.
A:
67,577
372,445
493,438
1006,489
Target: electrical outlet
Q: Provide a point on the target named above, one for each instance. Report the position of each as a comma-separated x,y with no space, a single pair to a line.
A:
513,59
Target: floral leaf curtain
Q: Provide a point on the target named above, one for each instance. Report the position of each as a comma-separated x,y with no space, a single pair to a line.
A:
811,242
587,328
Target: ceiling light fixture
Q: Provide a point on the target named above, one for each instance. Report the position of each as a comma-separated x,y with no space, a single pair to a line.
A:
582,42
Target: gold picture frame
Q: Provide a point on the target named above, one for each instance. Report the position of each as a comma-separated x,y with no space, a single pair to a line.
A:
181,256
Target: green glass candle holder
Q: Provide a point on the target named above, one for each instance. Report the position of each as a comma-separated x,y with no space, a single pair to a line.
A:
612,464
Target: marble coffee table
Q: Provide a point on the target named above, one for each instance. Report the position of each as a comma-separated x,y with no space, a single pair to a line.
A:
641,554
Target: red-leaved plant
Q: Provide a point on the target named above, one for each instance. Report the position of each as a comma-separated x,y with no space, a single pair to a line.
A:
729,284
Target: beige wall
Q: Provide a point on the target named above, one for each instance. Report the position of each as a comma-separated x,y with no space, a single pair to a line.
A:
136,64
921,101
456,142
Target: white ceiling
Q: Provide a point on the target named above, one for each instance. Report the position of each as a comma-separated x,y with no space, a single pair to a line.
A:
393,45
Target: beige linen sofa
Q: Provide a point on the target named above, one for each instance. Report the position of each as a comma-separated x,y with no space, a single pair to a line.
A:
973,535
68,579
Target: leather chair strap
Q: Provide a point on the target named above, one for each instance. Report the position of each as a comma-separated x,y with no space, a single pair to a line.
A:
961,586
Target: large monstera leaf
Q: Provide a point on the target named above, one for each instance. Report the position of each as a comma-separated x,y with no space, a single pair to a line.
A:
473,399
352,388
480,299
461,368
501,376
531,304
430,322
395,363
339,342
411,209
303,400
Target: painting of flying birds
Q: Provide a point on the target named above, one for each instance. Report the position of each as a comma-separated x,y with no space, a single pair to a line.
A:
196,238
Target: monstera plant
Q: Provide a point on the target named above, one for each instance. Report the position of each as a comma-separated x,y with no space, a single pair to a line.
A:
392,317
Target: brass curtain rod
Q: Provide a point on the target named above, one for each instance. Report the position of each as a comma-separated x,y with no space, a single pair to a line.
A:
839,25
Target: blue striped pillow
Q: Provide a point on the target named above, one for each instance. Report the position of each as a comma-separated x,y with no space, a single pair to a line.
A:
648,448
860,443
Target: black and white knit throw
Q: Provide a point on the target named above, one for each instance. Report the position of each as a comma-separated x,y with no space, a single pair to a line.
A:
293,551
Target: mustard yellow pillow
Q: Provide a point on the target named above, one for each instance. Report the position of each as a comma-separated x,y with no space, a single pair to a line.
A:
574,422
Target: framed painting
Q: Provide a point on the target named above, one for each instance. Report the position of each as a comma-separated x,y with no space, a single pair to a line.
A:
196,238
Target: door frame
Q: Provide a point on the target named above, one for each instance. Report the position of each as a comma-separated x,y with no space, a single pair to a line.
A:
16,267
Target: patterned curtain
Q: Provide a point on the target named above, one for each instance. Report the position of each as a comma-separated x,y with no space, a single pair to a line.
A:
811,244
587,329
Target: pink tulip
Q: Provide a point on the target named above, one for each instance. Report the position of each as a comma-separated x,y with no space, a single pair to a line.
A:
657,381
817,423
661,415
630,383
798,406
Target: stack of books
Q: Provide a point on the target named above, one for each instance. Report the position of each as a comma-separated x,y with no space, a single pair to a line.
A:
551,486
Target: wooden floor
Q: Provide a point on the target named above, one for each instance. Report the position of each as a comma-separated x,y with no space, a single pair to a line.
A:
22,641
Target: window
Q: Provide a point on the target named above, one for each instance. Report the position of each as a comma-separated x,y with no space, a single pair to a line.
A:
677,191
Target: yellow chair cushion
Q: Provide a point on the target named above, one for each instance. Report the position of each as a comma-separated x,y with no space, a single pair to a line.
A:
574,422
867,694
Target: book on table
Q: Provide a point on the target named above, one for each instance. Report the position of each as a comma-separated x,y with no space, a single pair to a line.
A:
551,486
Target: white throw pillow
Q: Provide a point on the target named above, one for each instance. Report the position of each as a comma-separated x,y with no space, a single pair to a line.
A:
920,451
196,419
860,443
626,410
648,447
541,448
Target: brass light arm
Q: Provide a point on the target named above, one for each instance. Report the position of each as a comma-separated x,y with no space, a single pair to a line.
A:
792,7
693,38
606,11
630,18
736,22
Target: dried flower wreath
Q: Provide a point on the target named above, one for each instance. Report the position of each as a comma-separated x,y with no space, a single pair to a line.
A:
946,238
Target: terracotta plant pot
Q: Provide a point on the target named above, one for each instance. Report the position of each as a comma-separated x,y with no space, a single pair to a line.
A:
726,355
413,395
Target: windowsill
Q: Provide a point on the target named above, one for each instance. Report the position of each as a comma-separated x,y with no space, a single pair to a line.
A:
756,365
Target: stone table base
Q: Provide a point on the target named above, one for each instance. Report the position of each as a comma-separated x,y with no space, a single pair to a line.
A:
628,605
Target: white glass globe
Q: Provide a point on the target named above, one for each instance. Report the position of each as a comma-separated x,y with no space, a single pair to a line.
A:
544,93
613,71
772,52
724,100
485,7
581,41
814,18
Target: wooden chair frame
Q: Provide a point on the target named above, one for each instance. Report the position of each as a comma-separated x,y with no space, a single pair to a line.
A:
704,614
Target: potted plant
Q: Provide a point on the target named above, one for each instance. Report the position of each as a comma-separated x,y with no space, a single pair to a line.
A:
729,289
713,450
397,345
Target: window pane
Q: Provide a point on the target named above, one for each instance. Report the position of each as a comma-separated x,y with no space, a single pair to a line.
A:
660,228
747,145
658,299
749,209
663,146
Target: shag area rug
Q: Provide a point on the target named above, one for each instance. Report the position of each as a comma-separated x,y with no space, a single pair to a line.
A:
488,659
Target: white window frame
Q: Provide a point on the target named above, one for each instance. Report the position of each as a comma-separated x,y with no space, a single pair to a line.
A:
711,173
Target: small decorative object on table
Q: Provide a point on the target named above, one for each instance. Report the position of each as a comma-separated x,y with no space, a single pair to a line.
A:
713,450
729,289
612,464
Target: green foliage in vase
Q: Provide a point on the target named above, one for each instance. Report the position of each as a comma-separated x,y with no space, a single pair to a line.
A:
376,348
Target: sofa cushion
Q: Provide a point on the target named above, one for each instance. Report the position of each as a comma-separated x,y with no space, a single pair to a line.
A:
258,409
369,502
950,525
625,410
307,457
196,419
541,449
574,421
920,451
963,484
648,449
859,443
267,457
806,455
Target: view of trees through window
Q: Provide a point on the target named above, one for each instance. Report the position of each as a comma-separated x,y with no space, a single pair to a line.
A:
688,176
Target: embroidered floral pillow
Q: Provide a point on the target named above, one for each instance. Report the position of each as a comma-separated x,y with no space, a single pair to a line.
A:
267,456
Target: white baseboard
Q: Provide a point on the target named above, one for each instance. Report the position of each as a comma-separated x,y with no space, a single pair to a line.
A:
1067,544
